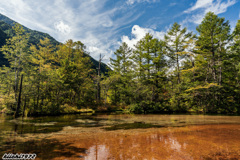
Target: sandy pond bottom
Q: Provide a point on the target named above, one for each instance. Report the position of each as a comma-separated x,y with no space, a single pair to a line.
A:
202,141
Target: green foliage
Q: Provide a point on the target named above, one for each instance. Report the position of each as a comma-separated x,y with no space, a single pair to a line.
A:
53,77
135,108
121,77
181,73
201,72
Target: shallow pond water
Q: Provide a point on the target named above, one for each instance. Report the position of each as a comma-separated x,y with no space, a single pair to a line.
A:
123,136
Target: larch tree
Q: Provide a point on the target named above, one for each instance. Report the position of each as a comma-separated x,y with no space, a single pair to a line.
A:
214,35
176,41
16,51
122,74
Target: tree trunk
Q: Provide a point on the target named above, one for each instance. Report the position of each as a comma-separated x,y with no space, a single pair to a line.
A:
38,95
98,80
25,102
206,80
213,61
178,70
220,68
19,99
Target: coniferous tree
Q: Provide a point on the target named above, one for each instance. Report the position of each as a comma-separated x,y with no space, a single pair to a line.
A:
176,43
214,35
122,74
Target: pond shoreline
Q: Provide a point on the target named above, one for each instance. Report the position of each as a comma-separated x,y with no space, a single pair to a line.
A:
95,112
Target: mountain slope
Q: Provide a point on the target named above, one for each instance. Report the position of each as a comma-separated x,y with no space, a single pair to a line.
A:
3,37
35,36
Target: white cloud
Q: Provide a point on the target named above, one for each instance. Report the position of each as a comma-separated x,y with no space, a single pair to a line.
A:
216,6
220,7
2,10
138,33
172,4
131,2
199,4
86,20
61,27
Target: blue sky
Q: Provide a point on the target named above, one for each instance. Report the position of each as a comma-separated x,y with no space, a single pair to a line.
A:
102,25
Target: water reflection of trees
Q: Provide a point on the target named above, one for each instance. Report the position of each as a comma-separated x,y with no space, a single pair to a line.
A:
199,142
139,146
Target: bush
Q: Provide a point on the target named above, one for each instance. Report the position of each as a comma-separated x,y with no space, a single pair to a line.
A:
135,108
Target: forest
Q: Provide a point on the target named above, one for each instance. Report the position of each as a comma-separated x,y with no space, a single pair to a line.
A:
183,72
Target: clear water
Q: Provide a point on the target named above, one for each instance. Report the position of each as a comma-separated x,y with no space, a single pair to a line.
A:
123,136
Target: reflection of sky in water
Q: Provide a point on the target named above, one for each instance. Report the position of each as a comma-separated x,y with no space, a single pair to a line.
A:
174,144
148,144
98,152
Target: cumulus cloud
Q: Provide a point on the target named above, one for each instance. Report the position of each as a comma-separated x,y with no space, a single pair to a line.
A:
61,27
204,6
138,33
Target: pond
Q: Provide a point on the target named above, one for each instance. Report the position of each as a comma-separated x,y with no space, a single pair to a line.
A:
123,136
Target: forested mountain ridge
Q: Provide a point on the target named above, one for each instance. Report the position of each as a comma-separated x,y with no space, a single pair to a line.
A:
6,25
6,31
